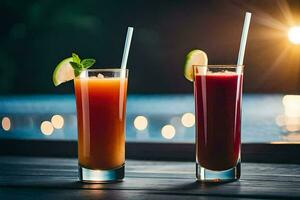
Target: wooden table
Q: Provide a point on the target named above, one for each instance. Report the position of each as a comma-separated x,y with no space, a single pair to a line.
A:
56,178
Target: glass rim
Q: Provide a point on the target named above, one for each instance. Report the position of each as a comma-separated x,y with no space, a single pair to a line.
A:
87,73
220,66
106,70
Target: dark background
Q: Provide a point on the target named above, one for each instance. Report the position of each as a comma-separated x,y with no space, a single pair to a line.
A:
36,35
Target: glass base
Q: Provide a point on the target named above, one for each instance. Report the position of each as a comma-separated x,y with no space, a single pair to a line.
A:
101,176
206,175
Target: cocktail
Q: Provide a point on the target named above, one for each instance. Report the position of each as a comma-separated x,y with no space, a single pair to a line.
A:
218,108
101,115
218,91
101,105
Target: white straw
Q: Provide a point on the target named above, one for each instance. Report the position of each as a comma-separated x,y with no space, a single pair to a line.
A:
244,39
126,47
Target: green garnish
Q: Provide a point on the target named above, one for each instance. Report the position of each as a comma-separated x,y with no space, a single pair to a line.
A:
195,57
80,65
70,68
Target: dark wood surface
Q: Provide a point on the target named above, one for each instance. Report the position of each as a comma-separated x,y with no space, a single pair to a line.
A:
56,178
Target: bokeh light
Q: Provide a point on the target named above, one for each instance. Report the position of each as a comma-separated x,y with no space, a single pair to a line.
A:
294,34
188,119
57,121
291,105
292,127
47,128
6,123
140,123
168,131
290,121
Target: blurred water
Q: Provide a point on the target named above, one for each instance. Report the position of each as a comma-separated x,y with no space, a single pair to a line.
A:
26,113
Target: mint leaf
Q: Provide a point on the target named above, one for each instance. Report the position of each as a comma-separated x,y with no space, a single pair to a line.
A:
77,72
79,65
76,66
87,63
76,58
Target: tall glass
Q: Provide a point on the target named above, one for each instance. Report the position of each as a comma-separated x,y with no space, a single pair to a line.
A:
218,98
101,106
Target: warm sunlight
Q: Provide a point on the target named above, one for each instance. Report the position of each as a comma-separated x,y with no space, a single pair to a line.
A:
294,35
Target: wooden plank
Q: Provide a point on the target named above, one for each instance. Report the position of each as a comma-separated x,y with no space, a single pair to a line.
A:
34,193
162,186
68,167
135,166
152,177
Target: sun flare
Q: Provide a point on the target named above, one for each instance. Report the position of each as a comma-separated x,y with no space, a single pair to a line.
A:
294,35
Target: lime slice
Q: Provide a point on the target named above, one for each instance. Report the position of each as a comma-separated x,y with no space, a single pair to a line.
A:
63,72
195,57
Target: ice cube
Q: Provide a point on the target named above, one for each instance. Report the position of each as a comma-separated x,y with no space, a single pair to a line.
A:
100,75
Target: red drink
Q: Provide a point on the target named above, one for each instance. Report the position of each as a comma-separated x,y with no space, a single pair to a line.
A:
218,113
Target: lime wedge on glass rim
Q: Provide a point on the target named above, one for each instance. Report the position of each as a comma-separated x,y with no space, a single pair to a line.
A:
63,72
195,57
70,67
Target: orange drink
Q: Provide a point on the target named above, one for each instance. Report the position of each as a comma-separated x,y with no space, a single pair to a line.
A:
101,107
